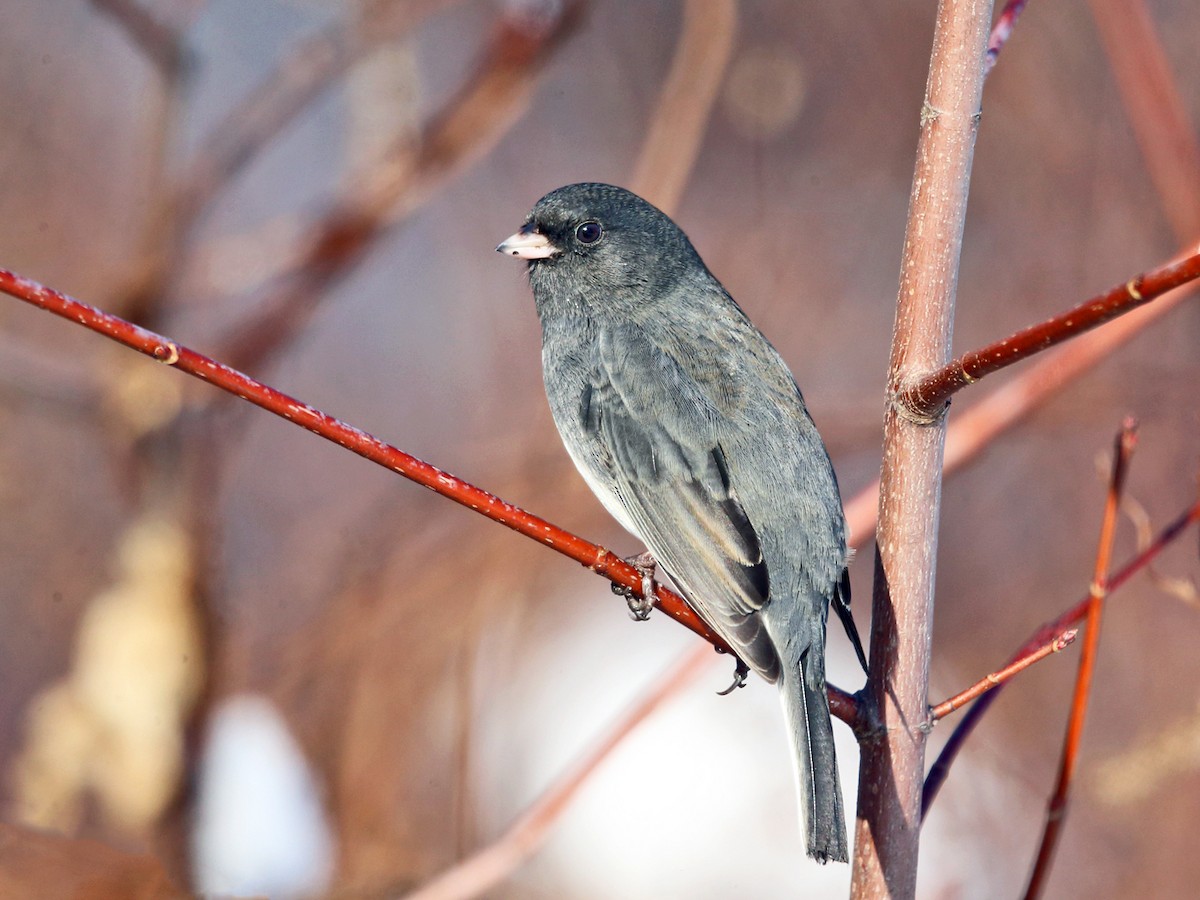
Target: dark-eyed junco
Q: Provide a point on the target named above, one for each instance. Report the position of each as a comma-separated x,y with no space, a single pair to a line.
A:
688,426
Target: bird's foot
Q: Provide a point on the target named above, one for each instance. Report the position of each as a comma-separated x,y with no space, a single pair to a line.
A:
741,670
639,604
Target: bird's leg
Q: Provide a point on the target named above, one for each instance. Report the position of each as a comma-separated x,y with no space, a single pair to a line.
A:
639,607
740,671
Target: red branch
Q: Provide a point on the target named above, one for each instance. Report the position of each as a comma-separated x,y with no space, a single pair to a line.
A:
995,679
1045,635
925,397
1056,809
598,559
1003,29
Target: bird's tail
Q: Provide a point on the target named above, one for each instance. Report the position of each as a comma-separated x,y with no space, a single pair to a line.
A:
806,707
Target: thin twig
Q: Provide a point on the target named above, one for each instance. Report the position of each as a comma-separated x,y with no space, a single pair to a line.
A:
525,836
995,679
1002,30
1046,634
1056,809
600,560
974,428
926,397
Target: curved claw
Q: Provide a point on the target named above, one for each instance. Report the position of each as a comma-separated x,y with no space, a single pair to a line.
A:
741,670
639,606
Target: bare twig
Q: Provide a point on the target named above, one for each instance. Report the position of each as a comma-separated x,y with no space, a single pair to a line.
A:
978,425
598,559
1002,30
1056,809
1045,635
893,762
525,836
995,679
925,397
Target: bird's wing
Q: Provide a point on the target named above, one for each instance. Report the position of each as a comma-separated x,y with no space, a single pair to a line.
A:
668,470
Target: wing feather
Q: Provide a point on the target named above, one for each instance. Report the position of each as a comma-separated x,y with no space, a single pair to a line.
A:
671,479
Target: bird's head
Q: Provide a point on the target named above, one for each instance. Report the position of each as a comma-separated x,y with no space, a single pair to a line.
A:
586,239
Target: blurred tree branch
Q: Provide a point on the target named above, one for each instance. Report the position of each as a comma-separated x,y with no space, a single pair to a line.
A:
309,69
1161,125
158,36
483,870
492,98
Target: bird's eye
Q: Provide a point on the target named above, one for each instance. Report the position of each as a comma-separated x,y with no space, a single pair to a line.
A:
588,232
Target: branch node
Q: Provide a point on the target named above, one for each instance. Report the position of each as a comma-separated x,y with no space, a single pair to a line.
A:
930,113
913,413
167,353
1065,640
1131,288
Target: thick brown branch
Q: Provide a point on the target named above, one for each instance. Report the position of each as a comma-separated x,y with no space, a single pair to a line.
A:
887,831
598,559
925,398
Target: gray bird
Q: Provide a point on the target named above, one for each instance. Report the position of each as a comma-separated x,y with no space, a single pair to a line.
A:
689,428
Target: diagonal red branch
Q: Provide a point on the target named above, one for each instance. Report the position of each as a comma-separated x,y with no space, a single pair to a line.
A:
600,560
995,679
1046,635
1002,30
925,397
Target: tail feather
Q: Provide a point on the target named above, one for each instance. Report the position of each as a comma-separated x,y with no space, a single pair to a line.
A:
806,707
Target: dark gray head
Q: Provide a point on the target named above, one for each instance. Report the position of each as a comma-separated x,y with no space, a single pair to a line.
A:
591,243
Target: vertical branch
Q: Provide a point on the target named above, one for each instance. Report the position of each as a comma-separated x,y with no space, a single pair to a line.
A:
893,757
1056,809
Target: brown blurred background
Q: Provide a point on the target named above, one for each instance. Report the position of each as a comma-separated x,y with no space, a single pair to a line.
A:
164,548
